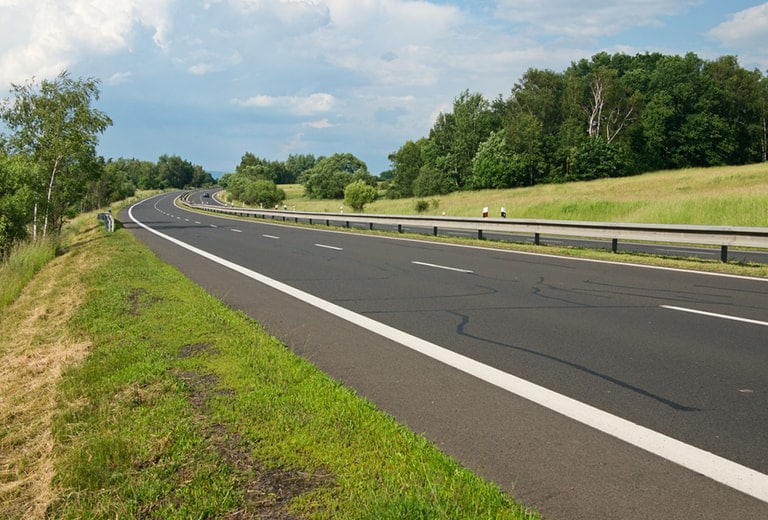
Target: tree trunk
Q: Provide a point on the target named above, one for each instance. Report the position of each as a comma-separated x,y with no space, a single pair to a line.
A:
48,196
596,110
34,223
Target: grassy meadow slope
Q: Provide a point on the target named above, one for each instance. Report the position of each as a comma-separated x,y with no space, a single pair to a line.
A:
732,196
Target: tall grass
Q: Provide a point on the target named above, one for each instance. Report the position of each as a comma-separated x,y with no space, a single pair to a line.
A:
733,196
25,260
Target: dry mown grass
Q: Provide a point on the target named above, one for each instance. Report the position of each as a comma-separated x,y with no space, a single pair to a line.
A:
35,347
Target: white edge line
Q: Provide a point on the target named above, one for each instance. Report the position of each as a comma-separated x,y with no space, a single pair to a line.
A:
715,315
719,469
329,247
443,267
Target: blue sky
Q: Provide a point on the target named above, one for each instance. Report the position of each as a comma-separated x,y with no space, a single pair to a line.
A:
212,79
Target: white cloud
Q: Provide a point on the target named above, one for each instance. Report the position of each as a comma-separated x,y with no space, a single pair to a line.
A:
390,41
47,36
118,78
291,15
589,18
211,62
319,125
309,105
746,31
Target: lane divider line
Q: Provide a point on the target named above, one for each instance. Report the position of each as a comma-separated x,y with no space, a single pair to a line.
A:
719,469
271,236
715,315
443,267
329,247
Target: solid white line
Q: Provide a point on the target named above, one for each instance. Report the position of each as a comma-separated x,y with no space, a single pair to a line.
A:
715,315
443,267
329,247
717,468
271,236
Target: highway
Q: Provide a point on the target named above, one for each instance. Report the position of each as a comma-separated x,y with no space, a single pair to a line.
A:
734,253
587,389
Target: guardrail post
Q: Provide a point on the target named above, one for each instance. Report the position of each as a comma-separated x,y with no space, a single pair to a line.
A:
109,222
537,238
724,254
614,245
434,231
399,228
480,234
370,226
328,222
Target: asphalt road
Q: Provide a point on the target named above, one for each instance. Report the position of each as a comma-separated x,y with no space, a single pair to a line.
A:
676,357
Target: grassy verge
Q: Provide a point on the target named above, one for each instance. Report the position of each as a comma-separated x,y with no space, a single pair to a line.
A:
730,196
25,260
134,394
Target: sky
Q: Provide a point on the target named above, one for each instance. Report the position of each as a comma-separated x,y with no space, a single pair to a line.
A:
210,80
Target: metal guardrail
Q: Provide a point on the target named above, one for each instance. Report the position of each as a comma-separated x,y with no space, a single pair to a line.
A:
108,219
723,236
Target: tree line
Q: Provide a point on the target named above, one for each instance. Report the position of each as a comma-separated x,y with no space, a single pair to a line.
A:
341,175
49,169
610,116
613,115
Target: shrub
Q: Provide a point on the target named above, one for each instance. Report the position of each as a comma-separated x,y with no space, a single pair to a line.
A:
358,194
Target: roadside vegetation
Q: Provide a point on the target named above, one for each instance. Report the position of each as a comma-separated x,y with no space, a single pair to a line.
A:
726,195
122,398
24,261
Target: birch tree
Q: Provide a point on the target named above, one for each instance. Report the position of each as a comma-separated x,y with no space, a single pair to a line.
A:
54,124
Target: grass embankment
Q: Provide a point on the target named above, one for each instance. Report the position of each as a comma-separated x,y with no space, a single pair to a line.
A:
729,196
129,392
22,265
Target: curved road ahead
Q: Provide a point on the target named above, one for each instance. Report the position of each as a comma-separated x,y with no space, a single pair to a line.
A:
586,389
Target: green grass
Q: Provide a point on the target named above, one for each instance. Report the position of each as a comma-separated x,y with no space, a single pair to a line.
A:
733,196
24,261
187,409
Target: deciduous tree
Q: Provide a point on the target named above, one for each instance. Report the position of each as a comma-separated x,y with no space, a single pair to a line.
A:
55,124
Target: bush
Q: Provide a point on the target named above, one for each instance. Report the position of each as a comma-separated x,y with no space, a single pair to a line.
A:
421,206
265,193
358,194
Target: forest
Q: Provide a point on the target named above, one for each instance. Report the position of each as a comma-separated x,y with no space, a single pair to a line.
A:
610,116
